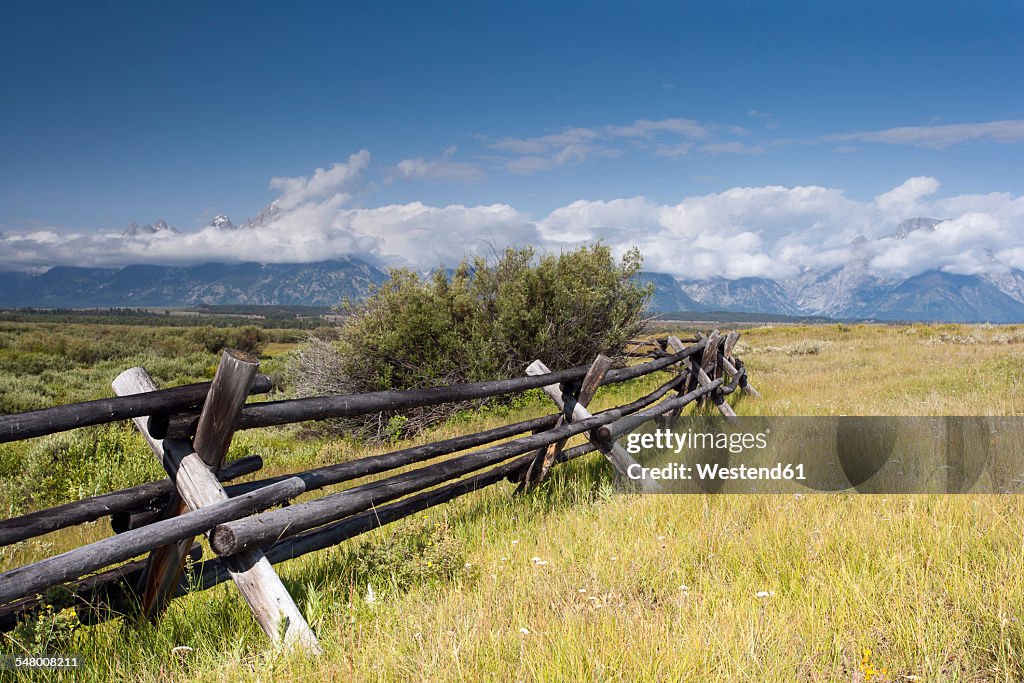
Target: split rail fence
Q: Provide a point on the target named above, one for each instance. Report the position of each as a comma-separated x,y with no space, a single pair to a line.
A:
190,428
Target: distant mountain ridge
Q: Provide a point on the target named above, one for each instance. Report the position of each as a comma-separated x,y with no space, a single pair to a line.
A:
324,283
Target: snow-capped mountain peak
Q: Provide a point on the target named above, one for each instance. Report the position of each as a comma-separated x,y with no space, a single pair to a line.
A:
914,224
222,222
264,217
136,230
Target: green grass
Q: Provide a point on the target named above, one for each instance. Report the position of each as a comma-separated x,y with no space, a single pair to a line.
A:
931,585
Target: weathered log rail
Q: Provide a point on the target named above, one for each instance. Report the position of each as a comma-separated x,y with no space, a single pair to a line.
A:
189,430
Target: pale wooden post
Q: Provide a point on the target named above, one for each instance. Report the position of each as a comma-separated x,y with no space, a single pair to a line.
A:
697,369
591,382
730,343
192,469
616,454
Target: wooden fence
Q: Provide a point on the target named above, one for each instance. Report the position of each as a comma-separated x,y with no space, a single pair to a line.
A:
190,428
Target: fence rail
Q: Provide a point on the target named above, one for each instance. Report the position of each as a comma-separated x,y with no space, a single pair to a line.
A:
190,428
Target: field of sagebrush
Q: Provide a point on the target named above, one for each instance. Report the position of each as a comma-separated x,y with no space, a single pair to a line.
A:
574,581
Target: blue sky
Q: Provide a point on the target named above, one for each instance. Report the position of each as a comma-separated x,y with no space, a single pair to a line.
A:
134,112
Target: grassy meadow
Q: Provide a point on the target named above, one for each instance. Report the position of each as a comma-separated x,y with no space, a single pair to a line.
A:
572,581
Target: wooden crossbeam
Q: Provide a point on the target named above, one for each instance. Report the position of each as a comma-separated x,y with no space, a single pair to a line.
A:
547,456
698,372
616,454
192,468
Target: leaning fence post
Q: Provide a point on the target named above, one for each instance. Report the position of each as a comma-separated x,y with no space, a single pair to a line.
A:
192,468
591,382
697,371
730,343
615,453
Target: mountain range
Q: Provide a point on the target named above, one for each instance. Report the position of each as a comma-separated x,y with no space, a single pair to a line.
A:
849,292
853,292
316,284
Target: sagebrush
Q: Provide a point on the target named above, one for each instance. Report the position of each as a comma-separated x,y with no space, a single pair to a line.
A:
485,320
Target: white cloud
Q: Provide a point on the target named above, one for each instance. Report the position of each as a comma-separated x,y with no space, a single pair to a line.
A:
906,199
675,151
646,128
766,231
439,169
938,137
527,155
731,148
323,183
543,144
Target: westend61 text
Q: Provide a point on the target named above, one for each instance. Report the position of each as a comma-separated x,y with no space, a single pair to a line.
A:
714,471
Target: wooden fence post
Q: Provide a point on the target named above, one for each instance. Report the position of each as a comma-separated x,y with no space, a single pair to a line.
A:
591,382
192,469
697,370
730,343
616,454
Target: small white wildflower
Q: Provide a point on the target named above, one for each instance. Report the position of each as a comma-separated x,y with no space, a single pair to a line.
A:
468,565
661,538
614,558
181,650
582,590
371,596
683,587
515,541
538,562
525,631
765,594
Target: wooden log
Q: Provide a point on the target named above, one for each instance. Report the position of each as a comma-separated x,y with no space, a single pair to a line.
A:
668,419
591,381
273,413
90,509
242,534
745,387
697,371
112,585
62,418
729,344
126,521
333,533
193,474
328,475
710,356
616,454
272,606
96,598
53,571
163,564
213,571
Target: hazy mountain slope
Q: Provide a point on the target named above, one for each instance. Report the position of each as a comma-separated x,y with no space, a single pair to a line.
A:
323,283
668,295
949,298
748,294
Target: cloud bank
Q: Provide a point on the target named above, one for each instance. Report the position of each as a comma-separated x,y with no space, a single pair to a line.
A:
769,231
940,137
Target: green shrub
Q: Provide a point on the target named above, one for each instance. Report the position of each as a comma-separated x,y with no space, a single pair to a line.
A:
485,321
